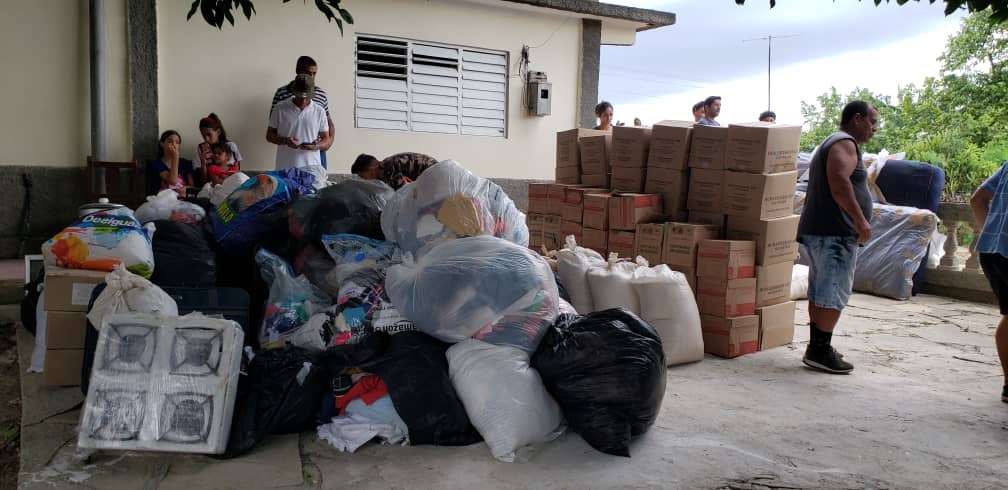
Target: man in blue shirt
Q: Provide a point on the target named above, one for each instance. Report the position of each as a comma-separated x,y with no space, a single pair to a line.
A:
712,109
990,207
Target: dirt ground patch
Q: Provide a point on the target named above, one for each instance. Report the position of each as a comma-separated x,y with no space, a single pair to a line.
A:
10,407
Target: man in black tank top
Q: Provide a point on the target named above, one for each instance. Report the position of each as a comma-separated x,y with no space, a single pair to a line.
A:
834,222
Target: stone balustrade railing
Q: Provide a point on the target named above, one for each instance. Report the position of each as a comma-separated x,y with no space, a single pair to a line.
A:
955,276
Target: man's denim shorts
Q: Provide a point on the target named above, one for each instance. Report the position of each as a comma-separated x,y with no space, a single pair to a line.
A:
831,269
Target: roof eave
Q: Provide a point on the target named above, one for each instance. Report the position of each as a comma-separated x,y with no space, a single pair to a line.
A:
651,19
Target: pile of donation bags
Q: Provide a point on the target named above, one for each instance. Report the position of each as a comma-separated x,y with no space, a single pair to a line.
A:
439,326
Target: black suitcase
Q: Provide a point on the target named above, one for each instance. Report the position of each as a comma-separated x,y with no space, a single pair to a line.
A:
231,303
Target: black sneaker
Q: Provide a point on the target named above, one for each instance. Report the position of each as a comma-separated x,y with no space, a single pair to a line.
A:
1004,394
826,359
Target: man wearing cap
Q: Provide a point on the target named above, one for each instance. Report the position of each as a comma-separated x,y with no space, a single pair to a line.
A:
298,126
307,65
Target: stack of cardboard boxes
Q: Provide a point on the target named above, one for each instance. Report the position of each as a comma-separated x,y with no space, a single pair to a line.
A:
726,297
668,166
630,146
568,154
67,293
759,187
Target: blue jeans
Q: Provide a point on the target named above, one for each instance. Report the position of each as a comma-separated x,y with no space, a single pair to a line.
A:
831,269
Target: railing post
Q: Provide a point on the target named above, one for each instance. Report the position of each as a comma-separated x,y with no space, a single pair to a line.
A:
950,261
973,262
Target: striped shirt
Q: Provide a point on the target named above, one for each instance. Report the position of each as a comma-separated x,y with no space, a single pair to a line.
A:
402,168
994,235
284,93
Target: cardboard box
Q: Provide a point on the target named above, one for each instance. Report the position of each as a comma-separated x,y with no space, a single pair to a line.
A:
726,259
670,143
630,146
597,240
681,241
622,243
596,211
730,337
707,147
706,188
648,242
535,222
776,324
568,175
689,272
762,149
673,190
709,218
62,367
726,298
556,193
595,180
773,283
628,179
570,228
595,154
775,238
573,201
759,196
70,289
567,147
627,210
538,195
552,232
65,329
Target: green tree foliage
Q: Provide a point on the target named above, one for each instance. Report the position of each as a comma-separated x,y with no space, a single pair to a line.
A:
957,120
998,8
215,12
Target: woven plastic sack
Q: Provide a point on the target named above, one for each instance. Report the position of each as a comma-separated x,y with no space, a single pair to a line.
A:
573,263
480,287
449,202
611,285
667,303
100,241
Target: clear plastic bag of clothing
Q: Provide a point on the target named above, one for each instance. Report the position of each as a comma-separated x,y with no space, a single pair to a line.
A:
449,202
292,300
481,287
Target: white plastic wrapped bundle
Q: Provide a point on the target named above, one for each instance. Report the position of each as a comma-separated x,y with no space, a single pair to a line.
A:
900,238
573,263
611,286
162,384
667,303
503,396
481,287
166,205
449,202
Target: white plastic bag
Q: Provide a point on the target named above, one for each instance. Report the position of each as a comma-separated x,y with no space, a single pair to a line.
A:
611,285
481,287
937,248
448,202
503,396
166,205
667,303
799,282
38,353
126,292
573,263
230,184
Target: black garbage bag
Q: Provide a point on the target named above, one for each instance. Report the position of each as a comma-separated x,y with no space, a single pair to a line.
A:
415,370
29,303
351,206
279,393
183,256
607,372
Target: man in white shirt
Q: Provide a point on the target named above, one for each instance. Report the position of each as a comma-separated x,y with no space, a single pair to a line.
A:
297,126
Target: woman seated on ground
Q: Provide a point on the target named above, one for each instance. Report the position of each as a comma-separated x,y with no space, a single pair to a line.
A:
223,164
396,170
176,173
212,131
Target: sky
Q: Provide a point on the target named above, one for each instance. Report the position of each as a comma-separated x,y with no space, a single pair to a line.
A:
843,44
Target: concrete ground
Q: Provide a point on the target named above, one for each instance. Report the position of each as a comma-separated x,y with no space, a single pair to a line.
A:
921,410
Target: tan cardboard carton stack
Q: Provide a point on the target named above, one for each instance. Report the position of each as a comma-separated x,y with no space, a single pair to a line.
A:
627,211
574,214
668,166
535,224
568,154
680,246
649,241
759,191
573,202
706,184
596,153
726,294
538,207
595,222
552,232
630,146
67,292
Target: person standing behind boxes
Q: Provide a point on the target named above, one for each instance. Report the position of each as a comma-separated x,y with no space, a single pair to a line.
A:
712,109
832,225
990,205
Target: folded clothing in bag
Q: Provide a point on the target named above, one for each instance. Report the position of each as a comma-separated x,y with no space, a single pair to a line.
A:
237,221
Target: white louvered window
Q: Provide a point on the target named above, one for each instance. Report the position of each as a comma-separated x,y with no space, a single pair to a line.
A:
428,87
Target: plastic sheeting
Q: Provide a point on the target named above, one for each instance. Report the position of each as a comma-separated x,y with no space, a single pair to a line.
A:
449,202
480,287
900,238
